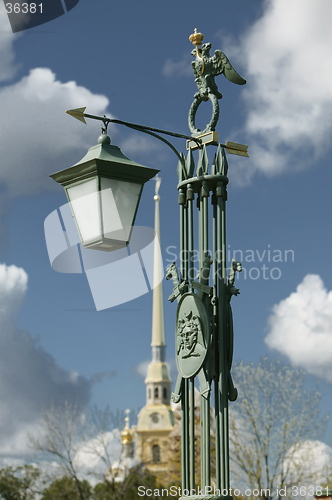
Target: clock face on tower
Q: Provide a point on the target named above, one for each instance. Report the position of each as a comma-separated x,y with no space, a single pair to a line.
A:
155,417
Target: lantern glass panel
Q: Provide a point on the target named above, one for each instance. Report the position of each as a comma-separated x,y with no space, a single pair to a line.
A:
84,201
119,201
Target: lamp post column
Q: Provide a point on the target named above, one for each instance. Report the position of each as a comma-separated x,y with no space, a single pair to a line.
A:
204,329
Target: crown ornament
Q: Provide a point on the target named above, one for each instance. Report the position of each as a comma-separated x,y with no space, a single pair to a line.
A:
196,38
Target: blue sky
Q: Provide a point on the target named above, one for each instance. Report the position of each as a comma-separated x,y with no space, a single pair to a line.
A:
131,60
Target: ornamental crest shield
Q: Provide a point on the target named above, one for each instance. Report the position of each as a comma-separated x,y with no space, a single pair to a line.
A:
192,335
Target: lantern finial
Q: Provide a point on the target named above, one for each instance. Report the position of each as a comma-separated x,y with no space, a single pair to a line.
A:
104,139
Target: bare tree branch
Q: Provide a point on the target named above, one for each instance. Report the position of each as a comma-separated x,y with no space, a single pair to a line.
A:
274,415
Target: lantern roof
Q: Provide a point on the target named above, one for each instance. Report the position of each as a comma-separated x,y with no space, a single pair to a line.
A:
105,159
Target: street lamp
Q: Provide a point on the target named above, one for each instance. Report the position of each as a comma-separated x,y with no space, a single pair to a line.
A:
104,190
204,327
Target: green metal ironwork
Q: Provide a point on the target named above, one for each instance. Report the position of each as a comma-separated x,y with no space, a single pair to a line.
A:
206,68
204,328
204,325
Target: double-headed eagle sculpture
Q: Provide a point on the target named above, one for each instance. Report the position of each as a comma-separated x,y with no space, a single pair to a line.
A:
206,67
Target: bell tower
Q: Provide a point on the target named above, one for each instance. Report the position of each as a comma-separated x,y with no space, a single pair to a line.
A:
156,419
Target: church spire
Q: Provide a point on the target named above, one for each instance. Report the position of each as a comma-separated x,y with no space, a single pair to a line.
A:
158,379
156,418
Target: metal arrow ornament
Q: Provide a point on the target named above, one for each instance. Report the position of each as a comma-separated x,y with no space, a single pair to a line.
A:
233,148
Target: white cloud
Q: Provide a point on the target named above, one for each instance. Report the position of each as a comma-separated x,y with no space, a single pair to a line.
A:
97,455
178,68
312,458
37,137
300,327
139,144
30,379
46,136
142,368
13,285
287,55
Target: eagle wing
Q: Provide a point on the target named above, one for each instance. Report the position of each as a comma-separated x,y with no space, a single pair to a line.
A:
221,64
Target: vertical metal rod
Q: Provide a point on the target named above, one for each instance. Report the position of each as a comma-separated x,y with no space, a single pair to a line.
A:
205,231
221,245
208,440
200,231
203,222
185,436
184,397
202,426
217,435
183,235
205,402
190,222
191,403
205,218
203,444
216,271
226,441
183,443
192,433
225,341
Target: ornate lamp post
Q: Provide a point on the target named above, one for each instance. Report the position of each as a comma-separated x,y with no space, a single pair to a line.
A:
104,189
204,329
